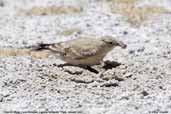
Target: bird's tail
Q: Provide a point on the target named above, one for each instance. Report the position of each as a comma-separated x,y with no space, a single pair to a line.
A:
39,51
11,52
40,47
7,52
52,48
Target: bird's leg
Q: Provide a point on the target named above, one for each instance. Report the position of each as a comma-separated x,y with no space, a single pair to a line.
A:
84,67
65,64
90,69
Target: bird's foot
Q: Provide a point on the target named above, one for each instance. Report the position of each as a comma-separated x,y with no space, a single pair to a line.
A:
89,68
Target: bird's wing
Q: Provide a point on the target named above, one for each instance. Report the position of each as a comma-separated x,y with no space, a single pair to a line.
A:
81,53
83,50
75,49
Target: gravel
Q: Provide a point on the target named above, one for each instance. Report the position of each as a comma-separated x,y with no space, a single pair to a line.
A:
139,84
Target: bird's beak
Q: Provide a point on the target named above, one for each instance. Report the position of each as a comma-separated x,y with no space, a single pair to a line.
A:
122,45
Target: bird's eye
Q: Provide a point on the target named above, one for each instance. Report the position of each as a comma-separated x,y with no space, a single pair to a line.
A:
110,42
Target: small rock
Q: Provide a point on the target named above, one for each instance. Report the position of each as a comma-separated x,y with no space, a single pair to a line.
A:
82,81
131,51
128,75
116,24
2,4
118,78
125,32
141,49
88,25
1,98
124,98
110,85
73,70
144,93
110,64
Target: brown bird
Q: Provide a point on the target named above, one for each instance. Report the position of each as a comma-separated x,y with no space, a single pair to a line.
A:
82,51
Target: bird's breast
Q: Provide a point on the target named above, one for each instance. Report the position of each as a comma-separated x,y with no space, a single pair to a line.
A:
92,60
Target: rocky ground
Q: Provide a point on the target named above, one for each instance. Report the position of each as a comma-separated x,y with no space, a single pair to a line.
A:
139,84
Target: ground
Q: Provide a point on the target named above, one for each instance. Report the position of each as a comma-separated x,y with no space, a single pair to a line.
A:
139,84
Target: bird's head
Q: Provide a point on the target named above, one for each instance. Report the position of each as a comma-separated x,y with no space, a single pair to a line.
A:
112,42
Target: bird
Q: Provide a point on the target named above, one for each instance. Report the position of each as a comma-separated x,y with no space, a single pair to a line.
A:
82,51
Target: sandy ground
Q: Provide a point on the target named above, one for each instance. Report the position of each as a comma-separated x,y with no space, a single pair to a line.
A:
141,84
